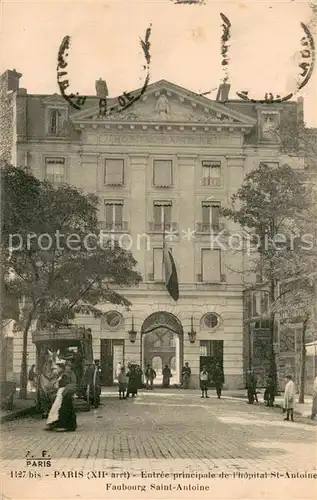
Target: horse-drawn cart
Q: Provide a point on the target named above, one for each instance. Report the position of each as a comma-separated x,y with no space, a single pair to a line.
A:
72,345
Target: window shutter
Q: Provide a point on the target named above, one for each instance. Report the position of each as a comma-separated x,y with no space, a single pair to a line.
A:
109,213
168,213
206,213
157,215
113,211
162,173
55,170
118,213
158,264
211,265
114,172
215,211
161,210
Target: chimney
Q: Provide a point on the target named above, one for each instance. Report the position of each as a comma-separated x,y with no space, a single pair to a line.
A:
13,78
223,92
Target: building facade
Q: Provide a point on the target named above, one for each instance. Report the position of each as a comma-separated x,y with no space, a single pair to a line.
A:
173,156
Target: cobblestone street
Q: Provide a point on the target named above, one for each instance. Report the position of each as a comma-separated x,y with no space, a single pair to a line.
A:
174,432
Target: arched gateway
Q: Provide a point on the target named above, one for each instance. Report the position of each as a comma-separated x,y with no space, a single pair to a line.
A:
162,337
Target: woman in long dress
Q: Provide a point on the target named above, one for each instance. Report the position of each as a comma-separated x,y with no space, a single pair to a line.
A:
62,414
167,374
133,381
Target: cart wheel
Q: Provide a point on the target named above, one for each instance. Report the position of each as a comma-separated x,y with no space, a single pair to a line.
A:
95,399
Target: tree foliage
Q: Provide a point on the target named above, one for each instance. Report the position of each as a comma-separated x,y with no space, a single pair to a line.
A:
54,260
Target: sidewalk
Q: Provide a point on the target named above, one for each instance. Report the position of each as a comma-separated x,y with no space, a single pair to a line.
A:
21,408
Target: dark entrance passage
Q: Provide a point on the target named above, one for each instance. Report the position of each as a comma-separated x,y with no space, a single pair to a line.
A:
111,353
211,353
162,344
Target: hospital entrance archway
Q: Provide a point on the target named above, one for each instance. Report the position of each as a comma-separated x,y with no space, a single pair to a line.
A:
162,343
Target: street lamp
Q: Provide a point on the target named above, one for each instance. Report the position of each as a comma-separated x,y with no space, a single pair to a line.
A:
192,333
132,332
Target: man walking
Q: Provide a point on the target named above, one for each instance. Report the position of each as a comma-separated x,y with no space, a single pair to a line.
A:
269,394
218,379
251,387
150,375
204,377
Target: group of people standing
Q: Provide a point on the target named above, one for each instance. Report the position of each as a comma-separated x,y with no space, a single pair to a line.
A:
270,393
216,376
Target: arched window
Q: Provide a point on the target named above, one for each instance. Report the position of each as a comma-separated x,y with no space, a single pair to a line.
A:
54,119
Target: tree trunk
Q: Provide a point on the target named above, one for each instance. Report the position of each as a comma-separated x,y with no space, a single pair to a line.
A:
302,379
24,366
273,368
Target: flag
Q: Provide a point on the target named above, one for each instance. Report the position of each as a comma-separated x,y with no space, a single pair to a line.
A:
171,280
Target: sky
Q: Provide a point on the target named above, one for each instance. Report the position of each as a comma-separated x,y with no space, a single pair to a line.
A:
185,45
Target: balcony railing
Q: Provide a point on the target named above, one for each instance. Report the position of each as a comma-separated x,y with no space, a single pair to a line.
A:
211,181
158,227
202,228
114,227
155,280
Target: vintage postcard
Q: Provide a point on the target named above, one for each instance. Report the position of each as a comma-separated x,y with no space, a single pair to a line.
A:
158,249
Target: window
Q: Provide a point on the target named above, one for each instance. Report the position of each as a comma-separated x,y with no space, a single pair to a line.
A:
113,319
54,122
162,213
211,173
162,173
113,214
205,348
210,265
55,170
158,273
114,172
210,320
210,215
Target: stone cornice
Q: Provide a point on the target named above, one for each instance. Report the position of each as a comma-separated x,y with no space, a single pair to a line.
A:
168,126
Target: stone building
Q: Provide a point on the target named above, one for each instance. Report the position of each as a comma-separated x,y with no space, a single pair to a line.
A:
176,156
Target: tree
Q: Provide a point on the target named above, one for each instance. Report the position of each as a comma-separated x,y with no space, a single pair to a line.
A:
56,265
266,207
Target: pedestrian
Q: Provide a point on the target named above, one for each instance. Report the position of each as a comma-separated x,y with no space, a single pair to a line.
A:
204,378
218,379
32,377
139,375
72,379
289,398
62,414
97,383
269,393
186,374
118,369
251,387
150,375
123,383
314,405
167,375
133,381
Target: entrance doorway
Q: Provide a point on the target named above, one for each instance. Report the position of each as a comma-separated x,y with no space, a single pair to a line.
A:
111,353
211,353
162,344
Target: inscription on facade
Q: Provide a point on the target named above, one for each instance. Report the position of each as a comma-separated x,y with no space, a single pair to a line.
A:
157,139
